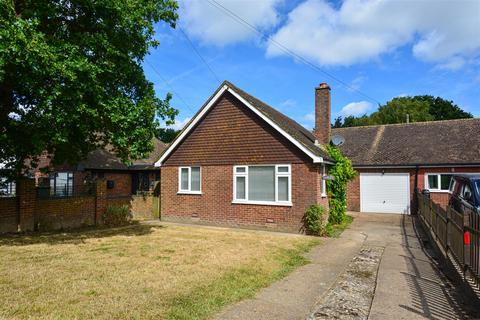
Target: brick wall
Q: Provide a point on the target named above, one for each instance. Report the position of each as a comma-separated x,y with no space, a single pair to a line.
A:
64,213
214,205
26,212
122,183
8,214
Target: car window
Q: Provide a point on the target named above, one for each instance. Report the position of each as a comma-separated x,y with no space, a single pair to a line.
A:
477,187
467,192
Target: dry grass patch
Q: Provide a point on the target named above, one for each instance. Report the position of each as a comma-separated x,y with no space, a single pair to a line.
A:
141,272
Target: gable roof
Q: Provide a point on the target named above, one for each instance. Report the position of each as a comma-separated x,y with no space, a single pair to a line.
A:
434,143
286,126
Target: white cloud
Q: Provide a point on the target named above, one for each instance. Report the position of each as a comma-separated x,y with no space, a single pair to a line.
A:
361,30
179,124
211,24
356,109
289,103
309,116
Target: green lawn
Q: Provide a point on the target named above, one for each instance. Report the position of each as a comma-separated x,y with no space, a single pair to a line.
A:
141,272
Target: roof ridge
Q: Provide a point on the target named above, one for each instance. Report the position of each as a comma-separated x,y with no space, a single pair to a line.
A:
408,124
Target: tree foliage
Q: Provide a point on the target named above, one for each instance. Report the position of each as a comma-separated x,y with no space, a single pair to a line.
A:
167,134
71,78
343,172
417,108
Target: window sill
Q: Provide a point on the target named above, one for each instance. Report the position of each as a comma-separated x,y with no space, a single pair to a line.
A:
264,203
190,192
324,195
438,191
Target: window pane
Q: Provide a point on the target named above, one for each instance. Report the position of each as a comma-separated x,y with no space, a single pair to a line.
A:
445,181
241,169
283,189
283,169
432,182
184,179
195,178
261,183
240,188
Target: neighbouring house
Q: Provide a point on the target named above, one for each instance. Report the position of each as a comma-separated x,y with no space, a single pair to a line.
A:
122,180
393,160
239,162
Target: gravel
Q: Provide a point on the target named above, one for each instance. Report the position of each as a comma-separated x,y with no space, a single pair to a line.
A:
352,294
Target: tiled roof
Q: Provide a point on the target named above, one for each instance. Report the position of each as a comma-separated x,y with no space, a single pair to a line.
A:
448,142
298,132
104,159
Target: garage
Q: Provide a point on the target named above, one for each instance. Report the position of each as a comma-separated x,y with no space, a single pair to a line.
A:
385,192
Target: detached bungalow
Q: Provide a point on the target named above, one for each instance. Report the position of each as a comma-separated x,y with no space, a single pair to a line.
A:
239,162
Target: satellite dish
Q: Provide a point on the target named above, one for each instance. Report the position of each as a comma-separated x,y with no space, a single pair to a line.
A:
338,140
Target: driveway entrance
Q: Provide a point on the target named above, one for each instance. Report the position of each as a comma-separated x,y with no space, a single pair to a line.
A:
408,284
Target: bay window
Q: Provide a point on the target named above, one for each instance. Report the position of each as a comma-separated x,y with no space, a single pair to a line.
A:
269,184
437,182
189,180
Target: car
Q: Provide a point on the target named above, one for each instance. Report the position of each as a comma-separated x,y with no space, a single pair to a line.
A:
464,192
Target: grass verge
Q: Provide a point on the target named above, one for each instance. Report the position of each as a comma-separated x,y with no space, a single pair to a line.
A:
335,230
238,284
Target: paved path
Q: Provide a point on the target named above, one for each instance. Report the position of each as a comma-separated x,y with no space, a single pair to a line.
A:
408,286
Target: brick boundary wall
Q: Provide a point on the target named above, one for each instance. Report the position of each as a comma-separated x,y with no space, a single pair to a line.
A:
25,212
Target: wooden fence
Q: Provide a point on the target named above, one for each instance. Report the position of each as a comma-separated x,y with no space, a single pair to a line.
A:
457,234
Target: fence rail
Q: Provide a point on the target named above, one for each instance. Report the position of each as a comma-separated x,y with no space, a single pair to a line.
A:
457,233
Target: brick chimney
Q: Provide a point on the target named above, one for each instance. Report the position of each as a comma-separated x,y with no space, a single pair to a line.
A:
322,114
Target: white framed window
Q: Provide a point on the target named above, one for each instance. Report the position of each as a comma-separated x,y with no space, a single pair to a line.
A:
438,182
61,184
263,184
324,182
189,180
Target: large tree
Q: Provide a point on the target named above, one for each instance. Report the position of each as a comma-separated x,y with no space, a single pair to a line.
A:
71,78
403,109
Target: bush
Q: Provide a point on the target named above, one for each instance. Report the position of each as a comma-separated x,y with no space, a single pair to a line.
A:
343,172
314,220
117,216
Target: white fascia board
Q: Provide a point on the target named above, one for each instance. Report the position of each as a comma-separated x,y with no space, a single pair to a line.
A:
315,158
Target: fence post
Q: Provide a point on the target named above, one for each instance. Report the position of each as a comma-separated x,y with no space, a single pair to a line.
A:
26,194
466,246
100,200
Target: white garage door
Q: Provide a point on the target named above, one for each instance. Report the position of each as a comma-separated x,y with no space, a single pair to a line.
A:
388,192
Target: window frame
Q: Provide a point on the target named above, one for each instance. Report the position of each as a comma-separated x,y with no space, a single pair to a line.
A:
189,190
439,182
324,182
70,189
278,174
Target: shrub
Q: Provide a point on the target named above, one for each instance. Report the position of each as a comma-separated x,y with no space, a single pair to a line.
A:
314,220
117,216
343,172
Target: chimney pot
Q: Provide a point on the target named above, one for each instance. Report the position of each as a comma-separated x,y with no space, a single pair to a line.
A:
322,114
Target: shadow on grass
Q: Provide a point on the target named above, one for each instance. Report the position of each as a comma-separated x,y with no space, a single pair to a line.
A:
77,236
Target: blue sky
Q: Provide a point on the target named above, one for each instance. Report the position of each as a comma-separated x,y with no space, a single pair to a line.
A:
383,49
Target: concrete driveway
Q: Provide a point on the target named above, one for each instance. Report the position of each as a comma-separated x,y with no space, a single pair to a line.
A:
409,284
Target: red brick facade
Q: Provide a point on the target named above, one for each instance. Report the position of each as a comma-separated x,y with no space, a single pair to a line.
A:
215,205
353,192
232,135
